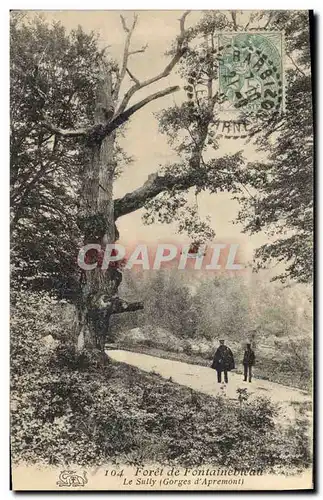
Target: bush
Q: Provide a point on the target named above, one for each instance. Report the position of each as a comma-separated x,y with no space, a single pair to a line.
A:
67,356
131,417
150,336
92,416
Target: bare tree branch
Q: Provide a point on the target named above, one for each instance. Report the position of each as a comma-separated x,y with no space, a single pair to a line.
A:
234,19
133,77
124,114
121,306
149,190
106,129
296,65
139,51
63,132
180,49
123,117
156,184
124,24
126,53
271,17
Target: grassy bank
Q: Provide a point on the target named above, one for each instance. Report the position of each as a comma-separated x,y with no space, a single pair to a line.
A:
68,408
130,417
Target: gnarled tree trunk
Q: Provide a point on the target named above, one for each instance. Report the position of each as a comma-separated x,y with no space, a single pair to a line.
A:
99,288
98,298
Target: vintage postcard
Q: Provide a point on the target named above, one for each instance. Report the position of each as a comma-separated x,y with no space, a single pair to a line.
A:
161,250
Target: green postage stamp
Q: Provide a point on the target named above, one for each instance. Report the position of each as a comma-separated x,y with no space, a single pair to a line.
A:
251,71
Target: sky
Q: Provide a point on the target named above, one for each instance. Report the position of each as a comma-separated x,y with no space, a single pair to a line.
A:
142,140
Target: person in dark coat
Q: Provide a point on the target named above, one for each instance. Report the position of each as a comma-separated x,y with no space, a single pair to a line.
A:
248,362
223,361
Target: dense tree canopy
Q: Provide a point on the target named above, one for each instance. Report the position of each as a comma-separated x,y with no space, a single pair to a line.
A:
282,185
69,103
54,74
283,201
55,77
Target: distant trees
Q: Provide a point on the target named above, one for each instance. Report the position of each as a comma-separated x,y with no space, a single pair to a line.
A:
210,307
169,304
167,298
222,308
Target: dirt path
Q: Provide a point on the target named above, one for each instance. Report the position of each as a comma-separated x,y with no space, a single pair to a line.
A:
203,379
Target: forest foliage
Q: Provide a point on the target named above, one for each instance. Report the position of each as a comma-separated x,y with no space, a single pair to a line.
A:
66,406
94,415
186,314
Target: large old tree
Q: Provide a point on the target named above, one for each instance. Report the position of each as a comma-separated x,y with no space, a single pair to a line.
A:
98,296
67,111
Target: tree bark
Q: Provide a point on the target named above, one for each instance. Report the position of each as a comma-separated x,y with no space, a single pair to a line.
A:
98,287
98,298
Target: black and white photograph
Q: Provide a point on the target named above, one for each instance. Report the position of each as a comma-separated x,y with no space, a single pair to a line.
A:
161,250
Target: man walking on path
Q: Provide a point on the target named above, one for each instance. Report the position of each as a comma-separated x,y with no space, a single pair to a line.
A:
223,361
248,362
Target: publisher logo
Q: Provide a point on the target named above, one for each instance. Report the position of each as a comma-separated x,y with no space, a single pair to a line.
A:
69,478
